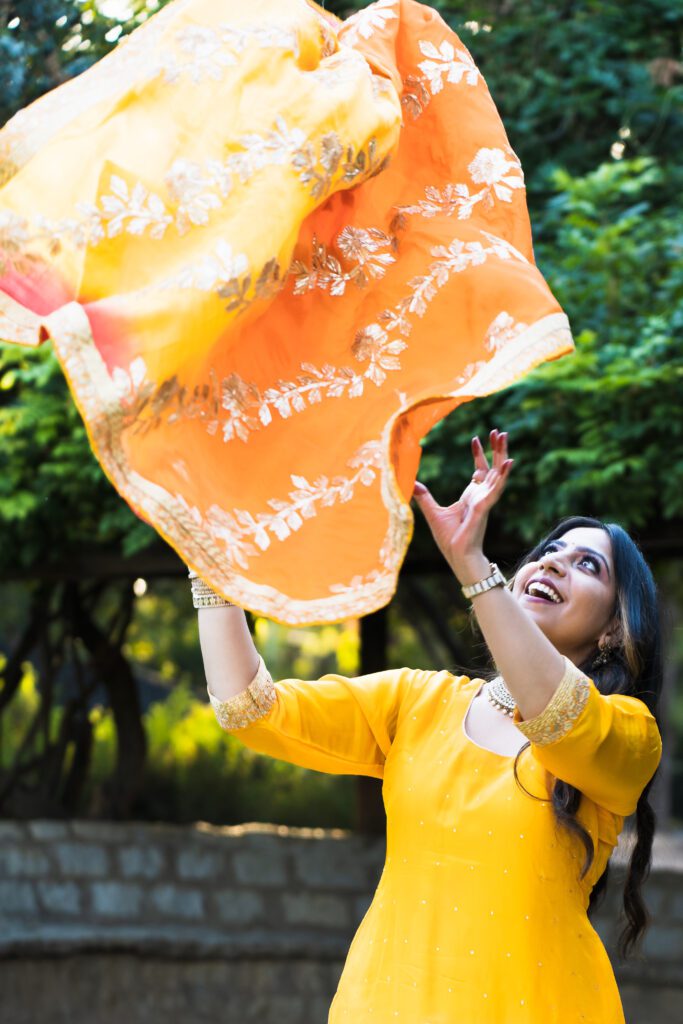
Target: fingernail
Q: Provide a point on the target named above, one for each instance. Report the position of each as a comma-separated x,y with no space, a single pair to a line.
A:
419,488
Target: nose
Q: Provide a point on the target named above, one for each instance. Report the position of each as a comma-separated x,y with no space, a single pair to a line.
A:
551,561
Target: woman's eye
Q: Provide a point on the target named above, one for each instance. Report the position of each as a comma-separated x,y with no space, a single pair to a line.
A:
592,562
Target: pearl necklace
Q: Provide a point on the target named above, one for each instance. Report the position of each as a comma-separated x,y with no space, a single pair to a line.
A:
500,697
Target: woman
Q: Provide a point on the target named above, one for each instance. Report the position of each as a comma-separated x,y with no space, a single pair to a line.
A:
504,800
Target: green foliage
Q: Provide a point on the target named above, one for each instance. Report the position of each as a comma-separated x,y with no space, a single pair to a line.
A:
569,77
53,494
591,98
589,430
194,770
571,81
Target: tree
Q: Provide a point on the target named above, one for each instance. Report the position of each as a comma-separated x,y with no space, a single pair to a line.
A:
592,103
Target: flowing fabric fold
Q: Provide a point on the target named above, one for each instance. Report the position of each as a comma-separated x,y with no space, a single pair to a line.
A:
272,249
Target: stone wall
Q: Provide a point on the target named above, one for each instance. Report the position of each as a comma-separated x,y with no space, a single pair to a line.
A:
124,923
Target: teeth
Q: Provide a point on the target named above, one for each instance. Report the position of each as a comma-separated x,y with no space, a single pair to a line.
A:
541,588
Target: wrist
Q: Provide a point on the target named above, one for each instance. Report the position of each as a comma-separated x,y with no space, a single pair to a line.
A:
471,568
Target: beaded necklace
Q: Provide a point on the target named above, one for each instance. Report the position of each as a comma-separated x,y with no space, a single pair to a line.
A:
500,697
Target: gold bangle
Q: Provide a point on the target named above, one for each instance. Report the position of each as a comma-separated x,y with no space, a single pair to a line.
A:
204,596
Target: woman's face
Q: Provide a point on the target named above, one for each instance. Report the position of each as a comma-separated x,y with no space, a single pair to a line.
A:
570,591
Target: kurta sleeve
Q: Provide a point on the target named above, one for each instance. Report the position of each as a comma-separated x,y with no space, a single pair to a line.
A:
334,724
608,746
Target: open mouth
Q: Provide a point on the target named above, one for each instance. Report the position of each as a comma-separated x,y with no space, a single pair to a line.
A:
543,592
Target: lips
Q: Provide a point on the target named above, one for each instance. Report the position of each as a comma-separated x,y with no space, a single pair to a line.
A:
543,588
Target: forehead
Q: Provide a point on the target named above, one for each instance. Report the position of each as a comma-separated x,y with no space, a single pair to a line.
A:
588,537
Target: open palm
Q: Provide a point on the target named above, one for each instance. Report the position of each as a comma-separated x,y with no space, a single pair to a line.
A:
459,528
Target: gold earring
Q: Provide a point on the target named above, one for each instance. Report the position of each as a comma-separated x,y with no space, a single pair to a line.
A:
605,652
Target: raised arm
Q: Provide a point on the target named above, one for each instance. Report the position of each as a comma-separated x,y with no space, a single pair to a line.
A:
230,657
531,666
333,724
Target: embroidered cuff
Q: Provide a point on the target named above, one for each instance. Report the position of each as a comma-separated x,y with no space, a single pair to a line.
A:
564,707
249,705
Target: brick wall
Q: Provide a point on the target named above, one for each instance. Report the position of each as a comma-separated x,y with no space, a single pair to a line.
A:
124,923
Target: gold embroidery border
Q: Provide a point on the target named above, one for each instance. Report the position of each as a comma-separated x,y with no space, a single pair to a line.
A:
563,709
18,324
98,403
251,704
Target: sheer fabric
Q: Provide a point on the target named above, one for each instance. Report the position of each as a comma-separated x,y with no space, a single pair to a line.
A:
272,250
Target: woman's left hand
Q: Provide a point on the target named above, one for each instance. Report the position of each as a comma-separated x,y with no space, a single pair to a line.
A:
459,529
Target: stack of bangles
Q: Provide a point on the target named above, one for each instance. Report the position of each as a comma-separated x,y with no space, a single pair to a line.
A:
203,596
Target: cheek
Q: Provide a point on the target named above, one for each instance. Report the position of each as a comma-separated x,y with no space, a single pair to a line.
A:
595,609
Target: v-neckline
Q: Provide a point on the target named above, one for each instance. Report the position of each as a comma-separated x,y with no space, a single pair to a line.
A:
496,753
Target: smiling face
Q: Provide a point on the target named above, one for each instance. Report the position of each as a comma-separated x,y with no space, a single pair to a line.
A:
570,592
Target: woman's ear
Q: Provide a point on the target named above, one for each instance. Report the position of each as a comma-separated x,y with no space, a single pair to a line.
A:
613,636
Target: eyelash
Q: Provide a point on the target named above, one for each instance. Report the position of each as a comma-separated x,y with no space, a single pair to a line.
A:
584,558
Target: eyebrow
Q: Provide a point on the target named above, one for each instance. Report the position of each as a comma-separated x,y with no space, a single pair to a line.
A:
587,551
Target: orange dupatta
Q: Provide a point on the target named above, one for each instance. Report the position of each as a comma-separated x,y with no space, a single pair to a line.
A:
272,250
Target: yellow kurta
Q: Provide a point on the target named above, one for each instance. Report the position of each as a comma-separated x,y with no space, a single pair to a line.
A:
479,916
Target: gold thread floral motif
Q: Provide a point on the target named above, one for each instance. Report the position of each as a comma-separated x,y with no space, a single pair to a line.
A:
564,707
196,189
443,65
205,52
240,407
248,706
499,173
502,330
358,245
181,524
245,535
362,24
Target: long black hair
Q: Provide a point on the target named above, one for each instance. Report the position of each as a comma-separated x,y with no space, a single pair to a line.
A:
634,668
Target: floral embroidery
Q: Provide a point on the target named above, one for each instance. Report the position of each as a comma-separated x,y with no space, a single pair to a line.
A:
415,96
191,189
237,291
131,210
204,52
363,23
248,706
361,245
215,270
246,534
502,330
499,173
239,407
71,335
445,64
565,706
373,343
317,170
128,382
195,190
14,239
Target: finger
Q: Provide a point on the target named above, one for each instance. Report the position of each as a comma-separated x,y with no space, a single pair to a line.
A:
501,450
480,460
492,486
427,504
